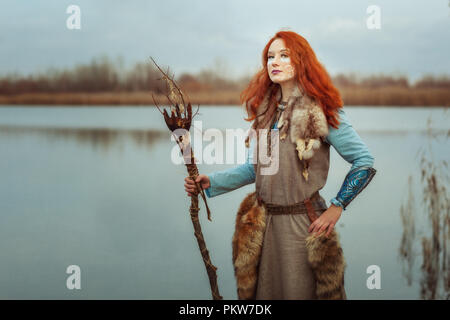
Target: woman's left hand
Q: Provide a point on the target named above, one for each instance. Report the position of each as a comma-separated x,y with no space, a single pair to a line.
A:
327,219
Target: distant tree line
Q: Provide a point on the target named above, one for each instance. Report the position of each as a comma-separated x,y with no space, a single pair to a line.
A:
382,81
102,75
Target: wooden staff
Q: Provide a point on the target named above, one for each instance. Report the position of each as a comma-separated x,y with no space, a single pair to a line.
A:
179,123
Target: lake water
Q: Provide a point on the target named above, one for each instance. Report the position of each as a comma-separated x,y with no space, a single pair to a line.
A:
95,187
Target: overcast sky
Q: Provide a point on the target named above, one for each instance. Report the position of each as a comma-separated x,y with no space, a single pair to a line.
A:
191,35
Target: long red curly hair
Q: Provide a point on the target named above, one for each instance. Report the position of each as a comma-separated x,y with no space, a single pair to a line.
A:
311,76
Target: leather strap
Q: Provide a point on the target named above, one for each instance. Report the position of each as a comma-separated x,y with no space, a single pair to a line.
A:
305,207
310,210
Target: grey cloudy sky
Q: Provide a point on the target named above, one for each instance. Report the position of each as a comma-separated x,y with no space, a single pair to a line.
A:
192,35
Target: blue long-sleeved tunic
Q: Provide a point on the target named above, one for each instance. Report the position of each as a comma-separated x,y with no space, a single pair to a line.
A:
345,141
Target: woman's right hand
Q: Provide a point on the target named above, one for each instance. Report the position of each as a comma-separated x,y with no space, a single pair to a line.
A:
190,187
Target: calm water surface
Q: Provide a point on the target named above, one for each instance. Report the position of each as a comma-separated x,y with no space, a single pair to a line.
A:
95,187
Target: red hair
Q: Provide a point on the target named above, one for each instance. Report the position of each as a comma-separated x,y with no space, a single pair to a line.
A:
311,75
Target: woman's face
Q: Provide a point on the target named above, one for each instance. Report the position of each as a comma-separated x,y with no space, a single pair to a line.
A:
279,64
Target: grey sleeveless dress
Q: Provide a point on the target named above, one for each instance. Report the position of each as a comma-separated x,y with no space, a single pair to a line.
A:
284,272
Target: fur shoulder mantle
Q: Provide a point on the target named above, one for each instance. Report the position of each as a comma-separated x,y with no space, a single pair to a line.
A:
303,120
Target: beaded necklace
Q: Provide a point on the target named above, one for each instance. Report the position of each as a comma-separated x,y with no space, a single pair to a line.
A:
281,107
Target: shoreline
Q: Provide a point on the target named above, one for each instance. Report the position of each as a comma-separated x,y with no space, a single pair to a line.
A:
194,108
383,97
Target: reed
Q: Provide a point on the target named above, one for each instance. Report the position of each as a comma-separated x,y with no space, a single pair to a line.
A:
434,204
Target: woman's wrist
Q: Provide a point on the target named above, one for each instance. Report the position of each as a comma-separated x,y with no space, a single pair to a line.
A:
339,208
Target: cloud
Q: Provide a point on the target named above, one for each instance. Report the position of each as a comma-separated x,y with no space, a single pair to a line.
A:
191,35
339,25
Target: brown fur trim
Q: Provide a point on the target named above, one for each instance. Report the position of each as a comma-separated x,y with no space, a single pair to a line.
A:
325,255
247,244
326,259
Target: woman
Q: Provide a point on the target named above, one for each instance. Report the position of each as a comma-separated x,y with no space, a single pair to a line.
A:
293,94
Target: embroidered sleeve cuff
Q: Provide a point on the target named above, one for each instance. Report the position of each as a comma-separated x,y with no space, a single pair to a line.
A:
355,181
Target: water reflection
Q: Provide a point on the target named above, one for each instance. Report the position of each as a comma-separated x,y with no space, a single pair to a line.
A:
95,137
